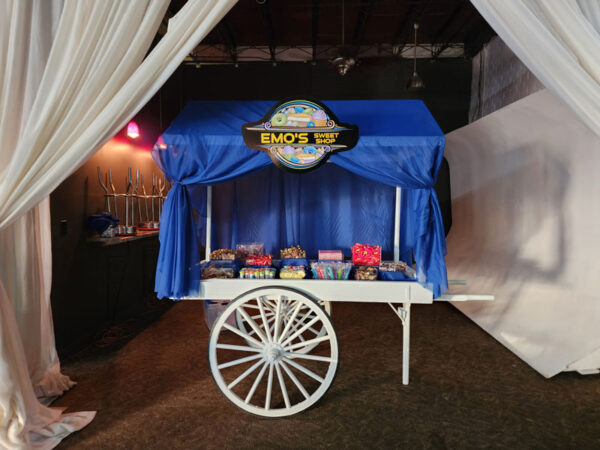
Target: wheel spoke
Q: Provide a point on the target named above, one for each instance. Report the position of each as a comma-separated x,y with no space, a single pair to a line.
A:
297,323
269,387
300,331
241,348
245,374
253,325
294,379
264,319
286,399
277,320
242,334
255,384
272,305
310,328
249,305
313,330
267,313
290,321
270,318
309,342
235,362
302,369
272,328
295,328
291,305
305,356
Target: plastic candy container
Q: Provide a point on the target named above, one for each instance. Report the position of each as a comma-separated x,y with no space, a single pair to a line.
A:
257,272
223,254
258,260
245,250
366,255
292,272
365,273
331,255
331,270
396,271
292,252
214,271
389,266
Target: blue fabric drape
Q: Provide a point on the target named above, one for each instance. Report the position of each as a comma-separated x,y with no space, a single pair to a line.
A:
178,243
400,144
416,171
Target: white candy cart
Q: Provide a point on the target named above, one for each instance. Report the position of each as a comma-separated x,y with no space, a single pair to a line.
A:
282,354
286,324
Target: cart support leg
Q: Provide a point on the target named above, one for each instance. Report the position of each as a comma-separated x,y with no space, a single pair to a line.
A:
403,312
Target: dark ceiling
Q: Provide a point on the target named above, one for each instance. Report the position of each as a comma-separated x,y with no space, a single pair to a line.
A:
311,23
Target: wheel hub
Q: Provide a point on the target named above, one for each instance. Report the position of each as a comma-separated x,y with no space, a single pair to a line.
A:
273,352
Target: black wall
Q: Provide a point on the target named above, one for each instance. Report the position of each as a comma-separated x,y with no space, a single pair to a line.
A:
447,93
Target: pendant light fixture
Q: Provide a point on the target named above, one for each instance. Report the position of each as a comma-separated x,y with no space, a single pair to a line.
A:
133,130
342,63
415,83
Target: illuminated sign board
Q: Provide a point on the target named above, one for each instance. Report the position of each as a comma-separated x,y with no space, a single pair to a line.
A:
299,135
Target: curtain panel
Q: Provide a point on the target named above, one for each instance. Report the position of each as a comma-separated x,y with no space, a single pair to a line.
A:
559,41
93,82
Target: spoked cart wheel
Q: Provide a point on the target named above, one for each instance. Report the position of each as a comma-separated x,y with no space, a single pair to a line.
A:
299,320
271,377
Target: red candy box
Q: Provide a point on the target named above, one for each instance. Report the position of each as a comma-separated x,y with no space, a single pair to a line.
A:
259,260
366,255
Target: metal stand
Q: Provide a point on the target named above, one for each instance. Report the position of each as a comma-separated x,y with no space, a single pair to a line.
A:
160,188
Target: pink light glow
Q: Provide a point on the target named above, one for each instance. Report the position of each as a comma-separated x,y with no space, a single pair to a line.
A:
133,131
161,143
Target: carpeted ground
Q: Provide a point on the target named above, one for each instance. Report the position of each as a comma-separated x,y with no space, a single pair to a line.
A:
466,391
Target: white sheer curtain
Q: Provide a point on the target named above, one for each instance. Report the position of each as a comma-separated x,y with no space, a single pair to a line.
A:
26,272
525,228
499,79
28,277
91,85
559,41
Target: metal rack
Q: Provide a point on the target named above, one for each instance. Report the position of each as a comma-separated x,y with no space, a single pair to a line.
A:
151,220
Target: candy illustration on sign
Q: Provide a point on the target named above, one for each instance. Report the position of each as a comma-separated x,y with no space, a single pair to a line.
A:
299,135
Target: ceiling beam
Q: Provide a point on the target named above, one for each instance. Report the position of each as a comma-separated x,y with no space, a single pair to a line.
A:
400,33
315,28
365,8
229,39
449,21
476,37
414,13
450,39
268,22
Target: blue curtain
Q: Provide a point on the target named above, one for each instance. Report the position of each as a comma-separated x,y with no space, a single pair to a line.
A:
400,145
416,171
327,209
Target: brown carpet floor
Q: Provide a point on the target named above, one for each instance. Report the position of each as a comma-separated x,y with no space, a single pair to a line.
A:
466,391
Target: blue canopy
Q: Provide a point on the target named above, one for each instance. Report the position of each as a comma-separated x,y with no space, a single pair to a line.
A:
400,144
